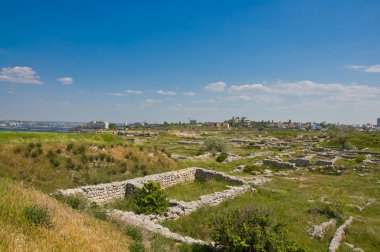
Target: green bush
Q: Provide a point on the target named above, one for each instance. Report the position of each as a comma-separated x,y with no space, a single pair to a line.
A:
359,158
151,199
96,211
134,233
136,247
38,216
215,144
251,229
69,147
221,157
251,168
74,201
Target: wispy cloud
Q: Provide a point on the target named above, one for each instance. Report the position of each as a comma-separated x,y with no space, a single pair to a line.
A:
364,68
118,94
20,75
66,80
139,92
126,93
215,86
148,103
307,88
188,93
162,92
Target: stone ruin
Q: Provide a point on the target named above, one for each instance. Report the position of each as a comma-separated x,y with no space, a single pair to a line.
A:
109,191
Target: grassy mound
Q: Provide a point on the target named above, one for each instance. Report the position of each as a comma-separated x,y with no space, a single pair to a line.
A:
33,220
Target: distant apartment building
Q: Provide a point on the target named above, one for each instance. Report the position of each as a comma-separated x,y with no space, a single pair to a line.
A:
378,122
98,125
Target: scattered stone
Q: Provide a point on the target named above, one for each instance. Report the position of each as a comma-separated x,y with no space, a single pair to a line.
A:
240,168
144,222
335,242
319,230
260,180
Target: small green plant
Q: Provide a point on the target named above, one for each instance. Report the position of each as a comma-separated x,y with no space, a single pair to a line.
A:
360,158
74,201
97,211
137,247
215,144
151,199
251,168
69,147
38,216
221,157
134,233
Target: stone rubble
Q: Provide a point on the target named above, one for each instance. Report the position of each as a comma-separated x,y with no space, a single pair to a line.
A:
319,230
338,236
144,222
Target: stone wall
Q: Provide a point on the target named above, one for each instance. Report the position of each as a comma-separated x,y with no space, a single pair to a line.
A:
278,163
110,191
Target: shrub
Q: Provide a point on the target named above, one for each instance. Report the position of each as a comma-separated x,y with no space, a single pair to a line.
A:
134,233
251,168
69,146
98,212
54,162
38,216
74,201
151,199
69,164
81,149
221,157
359,158
215,144
251,229
137,247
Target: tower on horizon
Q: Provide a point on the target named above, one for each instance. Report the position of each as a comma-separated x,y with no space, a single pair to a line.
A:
378,122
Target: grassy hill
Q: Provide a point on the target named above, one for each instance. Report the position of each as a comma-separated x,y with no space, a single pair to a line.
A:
69,230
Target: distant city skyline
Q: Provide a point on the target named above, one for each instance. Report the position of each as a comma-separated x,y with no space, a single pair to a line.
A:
206,60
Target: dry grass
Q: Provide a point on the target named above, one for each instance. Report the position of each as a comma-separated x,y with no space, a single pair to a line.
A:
72,231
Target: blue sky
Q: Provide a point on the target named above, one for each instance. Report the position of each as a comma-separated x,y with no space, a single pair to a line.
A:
161,61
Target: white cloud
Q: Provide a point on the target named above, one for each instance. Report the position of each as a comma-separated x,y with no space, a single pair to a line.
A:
118,94
307,88
246,87
66,80
148,102
126,93
215,86
188,93
162,92
139,92
364,68
22,75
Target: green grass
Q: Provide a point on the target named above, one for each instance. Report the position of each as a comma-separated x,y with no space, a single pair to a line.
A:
192,190
289,201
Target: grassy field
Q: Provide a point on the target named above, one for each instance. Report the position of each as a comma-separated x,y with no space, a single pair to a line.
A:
191,190
43,162
289,202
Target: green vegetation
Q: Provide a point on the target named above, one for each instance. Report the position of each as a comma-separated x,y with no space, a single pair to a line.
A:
59,162
151,199
38,216
221,157
50,161
215,144
251,229
192,190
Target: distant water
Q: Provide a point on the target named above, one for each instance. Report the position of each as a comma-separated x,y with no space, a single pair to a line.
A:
52,129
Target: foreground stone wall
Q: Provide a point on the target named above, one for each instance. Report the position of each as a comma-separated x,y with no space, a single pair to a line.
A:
110,191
